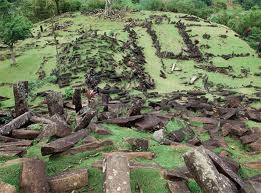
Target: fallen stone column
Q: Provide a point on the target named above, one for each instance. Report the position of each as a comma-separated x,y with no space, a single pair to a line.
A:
25,134
7,139
63,144
105,101
33,178
68,181
55,127
117,174
16,123
206,174
87,147
133,155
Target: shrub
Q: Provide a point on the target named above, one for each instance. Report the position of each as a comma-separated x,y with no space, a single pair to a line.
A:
68,93
128,4
245,23
71,5
154,5
92,5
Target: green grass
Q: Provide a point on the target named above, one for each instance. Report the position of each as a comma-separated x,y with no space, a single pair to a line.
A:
96,178
148,180
169,38
239,151
11,175
166,156
31,58
174,125
247,172
193,186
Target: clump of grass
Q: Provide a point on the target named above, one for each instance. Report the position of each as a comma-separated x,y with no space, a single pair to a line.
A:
253,124
248,172
36,127
82,160
6,158
96,178
193,186
239,151
11,174
203,136
35,152
148,180
167,156
120,134
174,125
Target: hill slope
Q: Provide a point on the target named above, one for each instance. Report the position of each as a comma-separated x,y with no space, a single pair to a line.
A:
38,54
148,55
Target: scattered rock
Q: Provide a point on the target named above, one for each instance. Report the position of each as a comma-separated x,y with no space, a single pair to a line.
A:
158,135
7,188
68,181
138,144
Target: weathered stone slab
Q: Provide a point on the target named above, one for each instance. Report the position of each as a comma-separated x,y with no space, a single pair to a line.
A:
16,123
56,129
63,144
87,147
85,121
55,103
133,155
25,134
205,120
125,121
206,174
135,108
246,139
68,181
256,146
99,129
117,174
138,144
33,177
21,90
7,188
178,187
7,139
254,115
149,123
77,100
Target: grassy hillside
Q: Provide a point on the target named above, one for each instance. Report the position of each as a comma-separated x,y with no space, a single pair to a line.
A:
32,52
227,61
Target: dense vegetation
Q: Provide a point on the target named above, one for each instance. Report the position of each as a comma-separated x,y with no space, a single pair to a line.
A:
243,16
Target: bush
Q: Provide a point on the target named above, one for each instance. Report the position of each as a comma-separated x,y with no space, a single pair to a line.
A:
43,9
92,5
154,5
68,93
71,5
127,4
245,23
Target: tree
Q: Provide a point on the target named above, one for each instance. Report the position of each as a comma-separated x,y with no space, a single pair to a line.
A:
108,7
41,9
12,29
5,8
57,3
